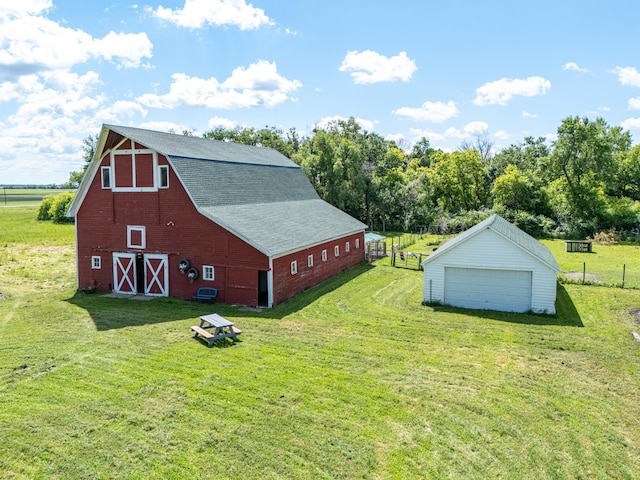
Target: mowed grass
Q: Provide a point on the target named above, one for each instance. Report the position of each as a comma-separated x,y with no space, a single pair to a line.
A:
352,379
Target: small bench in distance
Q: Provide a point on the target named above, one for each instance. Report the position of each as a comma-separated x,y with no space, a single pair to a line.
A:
207,294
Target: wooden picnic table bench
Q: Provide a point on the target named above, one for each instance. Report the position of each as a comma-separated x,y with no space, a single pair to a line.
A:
213,327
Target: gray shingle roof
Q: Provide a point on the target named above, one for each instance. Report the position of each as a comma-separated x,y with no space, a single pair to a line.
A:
507,230
256,193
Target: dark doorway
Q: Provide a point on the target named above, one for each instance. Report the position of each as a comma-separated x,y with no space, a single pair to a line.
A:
263,290
140,273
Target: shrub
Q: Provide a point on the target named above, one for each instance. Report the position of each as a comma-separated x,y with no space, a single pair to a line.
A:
606,238
54,208
44,212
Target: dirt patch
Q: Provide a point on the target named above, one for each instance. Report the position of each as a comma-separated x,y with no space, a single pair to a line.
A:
635,313
2,297
579,275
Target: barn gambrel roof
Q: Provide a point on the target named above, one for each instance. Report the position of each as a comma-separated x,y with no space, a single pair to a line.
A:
256,193
507,230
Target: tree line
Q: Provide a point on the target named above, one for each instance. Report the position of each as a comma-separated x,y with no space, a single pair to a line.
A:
585,181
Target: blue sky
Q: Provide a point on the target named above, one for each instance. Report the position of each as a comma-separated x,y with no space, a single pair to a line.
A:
445,70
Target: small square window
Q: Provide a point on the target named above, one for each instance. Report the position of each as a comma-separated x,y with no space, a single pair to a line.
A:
310,261
136,237
324,255
106,177
347,247
336,251
96,263
164,176
208,273
294,267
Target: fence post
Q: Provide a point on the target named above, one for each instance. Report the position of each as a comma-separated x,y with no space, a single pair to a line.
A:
624,269
584,271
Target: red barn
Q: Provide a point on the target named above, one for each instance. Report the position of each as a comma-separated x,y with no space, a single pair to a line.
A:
245,219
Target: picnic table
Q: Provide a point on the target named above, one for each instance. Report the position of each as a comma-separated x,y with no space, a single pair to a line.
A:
214,327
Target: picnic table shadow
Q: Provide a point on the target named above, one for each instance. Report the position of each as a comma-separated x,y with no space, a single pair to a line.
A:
566,313
108,313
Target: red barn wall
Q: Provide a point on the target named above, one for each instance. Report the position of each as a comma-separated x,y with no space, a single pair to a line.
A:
286,284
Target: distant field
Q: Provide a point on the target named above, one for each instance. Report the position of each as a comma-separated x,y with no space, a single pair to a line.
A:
24,197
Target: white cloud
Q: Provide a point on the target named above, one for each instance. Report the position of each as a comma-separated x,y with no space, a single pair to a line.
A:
367,125
628,76
221,122
502,135
33,43
634,103
371,67
436,112
198,13
631,124
526,114
503,90
259,85
573,67
475,128
23,8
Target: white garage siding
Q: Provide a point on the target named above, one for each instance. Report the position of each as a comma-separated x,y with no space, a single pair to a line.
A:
487,252
487,289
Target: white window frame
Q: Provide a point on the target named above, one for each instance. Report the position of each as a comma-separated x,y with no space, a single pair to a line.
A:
347,247
294,267
133,153
105,185
162,168
310,261
208,273
357,243
143,236
336,251
324,255
96,262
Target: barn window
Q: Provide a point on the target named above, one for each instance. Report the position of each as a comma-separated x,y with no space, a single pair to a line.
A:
324,255
294,267
336,251
136,237
310,261
164,176
106,177
208,273
96,263
347,247
134,170
357,243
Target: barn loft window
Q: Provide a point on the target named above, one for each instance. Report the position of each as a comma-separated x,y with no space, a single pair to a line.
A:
310,261
134,170
136,237
294,267
164,176
106,177
336,251
208,273
96,263
347,247
324,255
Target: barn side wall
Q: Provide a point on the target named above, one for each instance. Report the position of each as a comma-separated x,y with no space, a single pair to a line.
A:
288,284
489,250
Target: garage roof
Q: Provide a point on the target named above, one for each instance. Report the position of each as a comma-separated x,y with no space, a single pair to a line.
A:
507,230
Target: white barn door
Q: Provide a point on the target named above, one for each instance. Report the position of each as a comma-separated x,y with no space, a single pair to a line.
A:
488,289
124,273
156,275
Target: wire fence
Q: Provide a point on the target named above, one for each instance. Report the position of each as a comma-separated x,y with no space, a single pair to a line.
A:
625,275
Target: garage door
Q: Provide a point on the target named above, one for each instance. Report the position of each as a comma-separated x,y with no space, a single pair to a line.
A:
486,289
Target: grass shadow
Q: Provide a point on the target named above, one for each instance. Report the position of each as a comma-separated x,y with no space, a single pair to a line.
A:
566,313
114,313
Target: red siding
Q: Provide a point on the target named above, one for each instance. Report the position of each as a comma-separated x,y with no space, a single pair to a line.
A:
174,227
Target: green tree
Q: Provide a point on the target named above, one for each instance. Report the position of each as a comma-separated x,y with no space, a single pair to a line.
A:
89,145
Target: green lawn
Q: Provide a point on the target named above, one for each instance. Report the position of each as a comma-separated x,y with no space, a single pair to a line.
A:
352,379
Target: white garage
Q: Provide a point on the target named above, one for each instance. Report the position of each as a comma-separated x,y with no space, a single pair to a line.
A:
492,266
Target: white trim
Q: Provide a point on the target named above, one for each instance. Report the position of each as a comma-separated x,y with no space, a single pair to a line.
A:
324,255
118,267
208,268
294,267
96,262
143,236
102,178
159,275
310,260
133,152
347,247
336,251
357,243
160,168
270,284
